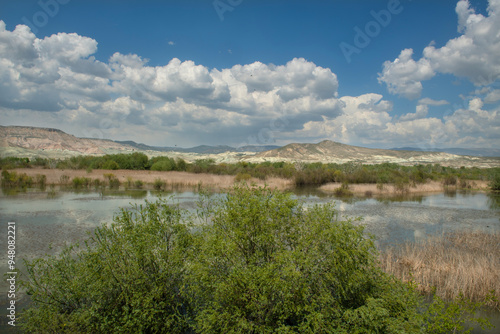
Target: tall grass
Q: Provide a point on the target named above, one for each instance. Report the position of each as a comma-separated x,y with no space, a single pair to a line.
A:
495,183
113,181
64,179
343,190
242,177
13,180
159,184
81,182
454,263
41,180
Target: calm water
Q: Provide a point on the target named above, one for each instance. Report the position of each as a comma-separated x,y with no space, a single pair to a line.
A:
46,222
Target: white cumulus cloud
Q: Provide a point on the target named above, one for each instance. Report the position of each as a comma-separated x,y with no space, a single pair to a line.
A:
472,55
60,74
403,76
56,81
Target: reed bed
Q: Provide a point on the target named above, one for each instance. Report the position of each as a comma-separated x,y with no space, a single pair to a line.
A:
456,262
172,180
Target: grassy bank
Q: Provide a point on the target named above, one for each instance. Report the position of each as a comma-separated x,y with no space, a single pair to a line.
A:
453,263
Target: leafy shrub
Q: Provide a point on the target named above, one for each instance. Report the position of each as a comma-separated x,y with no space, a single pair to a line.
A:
181,165
13,179
240,177
40,162
41,180
98,183
343,190
127,278
164,164
402,185
450,180
108,176
202,166
114,183
159,184
495,183
455,317
130,182
13,162
110,164
79,182
265,264
464,184
112,180
315,177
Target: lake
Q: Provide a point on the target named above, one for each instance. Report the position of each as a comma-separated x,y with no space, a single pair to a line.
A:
46,221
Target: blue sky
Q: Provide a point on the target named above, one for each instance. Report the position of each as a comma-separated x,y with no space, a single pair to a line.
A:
370,73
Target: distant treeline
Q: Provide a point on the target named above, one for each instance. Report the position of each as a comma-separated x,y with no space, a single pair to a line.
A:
303,174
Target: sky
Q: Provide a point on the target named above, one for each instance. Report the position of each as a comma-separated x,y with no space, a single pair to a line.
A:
379,74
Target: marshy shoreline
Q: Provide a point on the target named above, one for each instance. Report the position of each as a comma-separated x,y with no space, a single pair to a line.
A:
148,179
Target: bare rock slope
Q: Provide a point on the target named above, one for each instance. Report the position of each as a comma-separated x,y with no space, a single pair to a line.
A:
46,142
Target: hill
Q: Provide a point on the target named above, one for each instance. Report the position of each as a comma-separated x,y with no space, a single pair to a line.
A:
22,141
28,141
329,151
46,142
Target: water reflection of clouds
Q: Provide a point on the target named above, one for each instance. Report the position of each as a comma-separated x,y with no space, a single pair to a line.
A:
477,201
386,219
396,221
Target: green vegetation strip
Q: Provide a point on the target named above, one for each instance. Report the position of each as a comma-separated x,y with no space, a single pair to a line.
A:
303,174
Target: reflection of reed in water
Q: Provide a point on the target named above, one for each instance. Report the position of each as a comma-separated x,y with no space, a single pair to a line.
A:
494,201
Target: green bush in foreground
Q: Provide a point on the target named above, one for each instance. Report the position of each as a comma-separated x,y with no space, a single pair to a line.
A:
259,263
126,279
270,266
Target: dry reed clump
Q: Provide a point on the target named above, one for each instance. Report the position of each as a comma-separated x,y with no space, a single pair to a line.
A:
467,262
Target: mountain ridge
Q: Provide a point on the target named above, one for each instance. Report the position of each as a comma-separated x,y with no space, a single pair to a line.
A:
206,149
48,142
327,151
